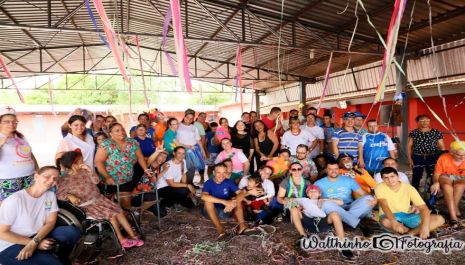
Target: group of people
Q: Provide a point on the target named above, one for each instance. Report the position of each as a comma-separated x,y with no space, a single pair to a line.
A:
263,170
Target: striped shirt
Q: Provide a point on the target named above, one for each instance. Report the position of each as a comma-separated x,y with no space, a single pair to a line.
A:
348,142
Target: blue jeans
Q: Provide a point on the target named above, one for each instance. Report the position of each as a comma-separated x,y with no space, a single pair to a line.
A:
352,213
66,236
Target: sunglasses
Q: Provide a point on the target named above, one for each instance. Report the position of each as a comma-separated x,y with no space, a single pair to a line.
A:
296,169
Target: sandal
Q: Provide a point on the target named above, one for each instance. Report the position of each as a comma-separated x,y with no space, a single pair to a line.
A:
222,236
454,223
249,231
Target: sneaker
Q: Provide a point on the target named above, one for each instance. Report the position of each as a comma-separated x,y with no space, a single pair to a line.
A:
347,255
139,242
366,231
129,243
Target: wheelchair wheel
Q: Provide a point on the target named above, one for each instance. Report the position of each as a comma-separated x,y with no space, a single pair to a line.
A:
65,218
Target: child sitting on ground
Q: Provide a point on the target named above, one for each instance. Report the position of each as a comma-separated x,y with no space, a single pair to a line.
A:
313,218
257,206
394,198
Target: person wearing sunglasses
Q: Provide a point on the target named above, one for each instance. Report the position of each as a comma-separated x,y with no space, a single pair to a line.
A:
292,186
336,186
302,156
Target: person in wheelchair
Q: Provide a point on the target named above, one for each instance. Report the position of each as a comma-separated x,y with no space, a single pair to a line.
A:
27,225
78,185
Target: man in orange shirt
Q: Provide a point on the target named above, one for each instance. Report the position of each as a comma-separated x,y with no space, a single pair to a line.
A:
449,175
360,175
273,121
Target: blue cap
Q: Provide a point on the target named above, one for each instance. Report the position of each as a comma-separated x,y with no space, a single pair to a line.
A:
358,114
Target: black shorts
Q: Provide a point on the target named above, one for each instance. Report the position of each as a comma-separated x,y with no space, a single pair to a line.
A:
315,224
126,187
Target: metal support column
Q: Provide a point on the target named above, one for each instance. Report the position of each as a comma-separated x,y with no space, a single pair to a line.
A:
303,96
402,132
257,103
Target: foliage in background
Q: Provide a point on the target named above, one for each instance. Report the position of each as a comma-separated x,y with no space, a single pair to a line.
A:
111,90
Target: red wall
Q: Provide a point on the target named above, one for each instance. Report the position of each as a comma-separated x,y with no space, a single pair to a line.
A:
417,107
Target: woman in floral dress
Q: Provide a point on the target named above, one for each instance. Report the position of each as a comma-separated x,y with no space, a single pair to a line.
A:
115,159
79,186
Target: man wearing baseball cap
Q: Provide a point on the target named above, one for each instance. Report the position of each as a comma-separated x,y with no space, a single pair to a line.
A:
348,140
358,123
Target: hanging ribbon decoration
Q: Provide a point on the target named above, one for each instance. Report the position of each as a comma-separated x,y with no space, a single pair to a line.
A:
391,43
50,96
111,37
238,82
166,25
326,82
181,50
10,76
399,67
94,21
146,98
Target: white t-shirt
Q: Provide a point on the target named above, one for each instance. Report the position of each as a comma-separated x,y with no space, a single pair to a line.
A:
15,158
187,134
318,133
402,177
311,208
25,214
71,142
173,172
268,186
291,141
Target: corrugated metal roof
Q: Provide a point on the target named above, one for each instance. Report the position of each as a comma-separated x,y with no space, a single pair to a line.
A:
308,29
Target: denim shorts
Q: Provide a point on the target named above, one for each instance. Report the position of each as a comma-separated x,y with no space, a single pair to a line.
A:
222,215
410,220
10,186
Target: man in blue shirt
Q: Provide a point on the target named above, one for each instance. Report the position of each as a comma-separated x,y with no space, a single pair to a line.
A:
335,186
221,198
348,140
377,146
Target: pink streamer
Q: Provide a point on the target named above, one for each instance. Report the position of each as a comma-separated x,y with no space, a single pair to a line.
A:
325,83
111,37
181,50
8,74
391,42
146,99
166,25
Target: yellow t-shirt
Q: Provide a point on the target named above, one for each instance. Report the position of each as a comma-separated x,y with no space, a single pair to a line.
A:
399,201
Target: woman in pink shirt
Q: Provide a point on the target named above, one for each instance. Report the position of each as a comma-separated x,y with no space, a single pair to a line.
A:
240,162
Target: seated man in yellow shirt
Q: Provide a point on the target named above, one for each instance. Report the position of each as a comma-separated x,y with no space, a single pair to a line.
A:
394,198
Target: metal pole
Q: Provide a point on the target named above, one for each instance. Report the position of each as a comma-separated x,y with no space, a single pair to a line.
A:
401,85
257,104
303,96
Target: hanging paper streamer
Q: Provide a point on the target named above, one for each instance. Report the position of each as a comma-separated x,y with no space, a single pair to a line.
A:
253,95
238,82
146,99
325,83
8,74
50,96
434,64
399,67
181,50
391,43
166,25
111,37
94,21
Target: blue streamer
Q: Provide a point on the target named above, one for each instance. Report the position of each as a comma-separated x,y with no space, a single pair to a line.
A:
91,15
